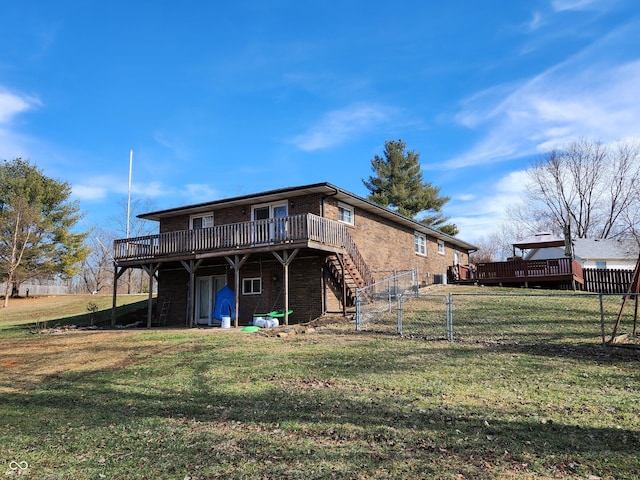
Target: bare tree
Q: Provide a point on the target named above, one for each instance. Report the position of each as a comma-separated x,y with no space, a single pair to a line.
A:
135,279
97,270
487,251
586,185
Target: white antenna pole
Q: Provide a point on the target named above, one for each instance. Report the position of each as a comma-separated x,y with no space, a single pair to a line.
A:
129,192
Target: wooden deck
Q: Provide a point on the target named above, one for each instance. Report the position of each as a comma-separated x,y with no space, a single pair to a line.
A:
556,271
297,231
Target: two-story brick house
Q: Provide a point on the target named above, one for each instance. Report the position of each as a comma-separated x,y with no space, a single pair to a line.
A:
301,249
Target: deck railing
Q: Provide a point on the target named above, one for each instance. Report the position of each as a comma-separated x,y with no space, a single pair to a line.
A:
273,231
529,269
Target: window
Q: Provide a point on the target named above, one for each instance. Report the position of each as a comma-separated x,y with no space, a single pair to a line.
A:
601,265
345,213
420,243
251,286
199,222
271,224
441,247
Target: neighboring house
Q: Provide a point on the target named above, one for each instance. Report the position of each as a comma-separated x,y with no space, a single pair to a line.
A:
605,253
301,249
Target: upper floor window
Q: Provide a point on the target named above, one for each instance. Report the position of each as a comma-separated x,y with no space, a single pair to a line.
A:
441,247
601,265
420,243
199,222
345,213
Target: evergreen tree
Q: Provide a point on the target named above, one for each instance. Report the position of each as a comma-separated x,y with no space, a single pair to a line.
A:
398,185
36,226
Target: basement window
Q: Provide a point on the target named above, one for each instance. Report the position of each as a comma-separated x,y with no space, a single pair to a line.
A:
252,286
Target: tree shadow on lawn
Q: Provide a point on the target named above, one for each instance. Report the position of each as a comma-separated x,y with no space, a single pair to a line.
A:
587,347
387,421
98,319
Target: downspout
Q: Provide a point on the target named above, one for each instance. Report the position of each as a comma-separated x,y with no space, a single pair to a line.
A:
324,272
324,197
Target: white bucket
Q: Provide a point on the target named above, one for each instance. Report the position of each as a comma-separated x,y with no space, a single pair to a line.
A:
226,322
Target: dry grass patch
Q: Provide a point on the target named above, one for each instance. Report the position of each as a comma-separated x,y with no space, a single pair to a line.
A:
332,403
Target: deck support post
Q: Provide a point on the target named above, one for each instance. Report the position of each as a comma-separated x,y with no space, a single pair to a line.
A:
191,268
286,260
117,273
151,270
236,264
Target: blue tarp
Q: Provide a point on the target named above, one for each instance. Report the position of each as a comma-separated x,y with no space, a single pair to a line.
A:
225,304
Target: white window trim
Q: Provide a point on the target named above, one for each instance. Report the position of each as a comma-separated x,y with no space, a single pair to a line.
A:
201,215
441,247
271,206
416,245
251,279
348,208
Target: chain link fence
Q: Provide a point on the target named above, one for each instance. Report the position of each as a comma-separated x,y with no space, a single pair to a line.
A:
377,305
506,318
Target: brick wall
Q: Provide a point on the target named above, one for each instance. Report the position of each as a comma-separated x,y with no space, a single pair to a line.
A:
387,247
305,288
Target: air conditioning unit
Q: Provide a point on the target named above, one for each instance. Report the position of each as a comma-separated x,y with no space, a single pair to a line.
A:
440,278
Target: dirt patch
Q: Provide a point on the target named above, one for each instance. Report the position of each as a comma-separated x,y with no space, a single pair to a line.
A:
323,322
26,361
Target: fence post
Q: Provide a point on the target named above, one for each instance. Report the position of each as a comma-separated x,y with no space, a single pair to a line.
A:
449,304
604,342
399,305
358,311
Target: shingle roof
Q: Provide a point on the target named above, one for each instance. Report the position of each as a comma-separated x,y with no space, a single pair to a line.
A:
607,248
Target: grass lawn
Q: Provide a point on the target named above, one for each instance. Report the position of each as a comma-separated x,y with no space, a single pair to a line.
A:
329,403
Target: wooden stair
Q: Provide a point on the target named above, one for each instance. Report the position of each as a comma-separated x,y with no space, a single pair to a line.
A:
352,278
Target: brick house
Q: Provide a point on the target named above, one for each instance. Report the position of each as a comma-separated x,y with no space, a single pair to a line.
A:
299,250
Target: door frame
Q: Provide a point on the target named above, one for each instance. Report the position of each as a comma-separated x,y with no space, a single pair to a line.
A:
213,284
274,234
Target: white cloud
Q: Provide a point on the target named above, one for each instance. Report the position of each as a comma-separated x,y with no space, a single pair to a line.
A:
586,96
337,126
565,5
538,20
151,189
200,192
482,213
11,105
89,192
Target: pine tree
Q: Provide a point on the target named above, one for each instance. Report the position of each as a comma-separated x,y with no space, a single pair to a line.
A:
398,185
36,226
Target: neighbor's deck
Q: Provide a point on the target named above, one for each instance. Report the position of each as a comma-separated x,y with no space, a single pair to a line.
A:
561,271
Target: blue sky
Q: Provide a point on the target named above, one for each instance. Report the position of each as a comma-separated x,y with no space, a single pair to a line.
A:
221,99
